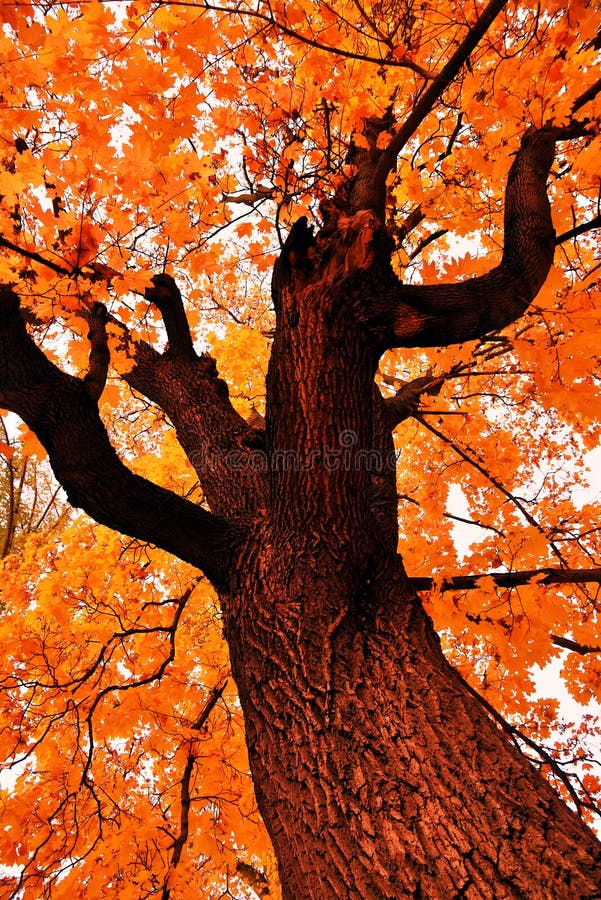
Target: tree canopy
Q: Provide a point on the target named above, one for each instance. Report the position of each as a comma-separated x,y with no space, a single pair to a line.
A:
149,141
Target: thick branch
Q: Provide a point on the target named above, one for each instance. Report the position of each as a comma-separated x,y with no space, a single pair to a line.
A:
443,314
95,380
405,402
254,877
60,410
225,452
166,297
509,579
367,189
220,445
411,221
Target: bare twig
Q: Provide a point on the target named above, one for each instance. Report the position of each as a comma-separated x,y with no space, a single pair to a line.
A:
493,480
179,841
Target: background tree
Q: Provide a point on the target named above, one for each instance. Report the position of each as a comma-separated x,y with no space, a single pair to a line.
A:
31,503
388,170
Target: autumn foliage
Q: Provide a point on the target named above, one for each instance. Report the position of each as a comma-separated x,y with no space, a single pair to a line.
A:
186,138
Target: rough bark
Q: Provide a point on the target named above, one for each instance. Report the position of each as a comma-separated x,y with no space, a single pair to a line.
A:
224,450
377,771
443,314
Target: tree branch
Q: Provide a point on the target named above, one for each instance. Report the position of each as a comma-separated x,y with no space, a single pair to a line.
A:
579,229
221,447
35,257
411,221
166,297
427,240
180,840
367,188
586,96
270,20
224,450
519,579
436,88
494,481
95,380
509,580
569,644
443,314
60,410
254,877
405,402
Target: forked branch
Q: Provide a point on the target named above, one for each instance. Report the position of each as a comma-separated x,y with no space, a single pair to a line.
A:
437,87
60,409
374,166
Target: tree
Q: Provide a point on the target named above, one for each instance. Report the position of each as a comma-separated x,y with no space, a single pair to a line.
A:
393,152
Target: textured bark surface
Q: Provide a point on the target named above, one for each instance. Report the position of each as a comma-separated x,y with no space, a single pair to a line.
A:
378,772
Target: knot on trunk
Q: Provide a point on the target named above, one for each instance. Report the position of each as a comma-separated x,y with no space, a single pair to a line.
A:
361,242
358,243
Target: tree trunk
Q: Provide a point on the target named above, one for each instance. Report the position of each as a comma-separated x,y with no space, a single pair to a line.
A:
377,772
